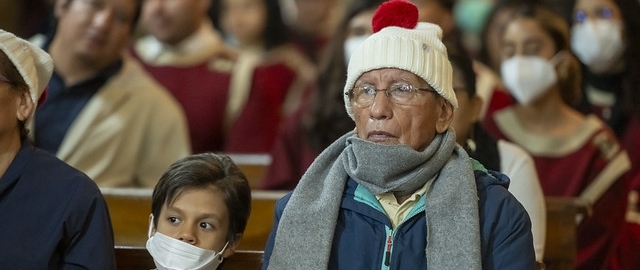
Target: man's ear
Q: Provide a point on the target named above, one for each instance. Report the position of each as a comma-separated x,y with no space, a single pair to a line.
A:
232,246
25,106
445,116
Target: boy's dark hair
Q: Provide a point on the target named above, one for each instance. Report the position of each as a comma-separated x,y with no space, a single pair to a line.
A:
201,171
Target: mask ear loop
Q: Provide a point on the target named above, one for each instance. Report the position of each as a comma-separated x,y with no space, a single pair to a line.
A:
556,59
151,225
222,251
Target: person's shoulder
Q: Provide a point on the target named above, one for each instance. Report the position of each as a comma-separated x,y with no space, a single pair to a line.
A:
493,194
140,86
58,175
486,178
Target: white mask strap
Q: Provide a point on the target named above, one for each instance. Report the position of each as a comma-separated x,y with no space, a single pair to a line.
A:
557,58
150,225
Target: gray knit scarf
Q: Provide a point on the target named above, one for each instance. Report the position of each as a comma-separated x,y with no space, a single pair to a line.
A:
306,228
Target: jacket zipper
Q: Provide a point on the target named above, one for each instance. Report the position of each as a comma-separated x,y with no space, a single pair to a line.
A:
387,256
391,233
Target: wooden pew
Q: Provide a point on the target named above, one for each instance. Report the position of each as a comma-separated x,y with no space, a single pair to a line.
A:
130,209
137,258
254,167
261,219
560,246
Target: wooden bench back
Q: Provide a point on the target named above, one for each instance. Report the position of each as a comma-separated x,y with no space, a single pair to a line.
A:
130,209
254,167
137,258
560,246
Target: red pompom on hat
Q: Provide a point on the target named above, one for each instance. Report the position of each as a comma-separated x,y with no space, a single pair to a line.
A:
400,13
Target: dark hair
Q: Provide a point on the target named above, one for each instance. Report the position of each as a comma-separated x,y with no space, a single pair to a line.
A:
9,70
557,28
136,14
630,9
275,31
500,5
201,171
462,63
327,118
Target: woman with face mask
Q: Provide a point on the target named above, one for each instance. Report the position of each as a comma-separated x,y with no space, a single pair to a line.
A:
605,36
575,155
321,119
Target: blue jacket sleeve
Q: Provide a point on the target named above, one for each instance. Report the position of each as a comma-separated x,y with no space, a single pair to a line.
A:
506,221
280,204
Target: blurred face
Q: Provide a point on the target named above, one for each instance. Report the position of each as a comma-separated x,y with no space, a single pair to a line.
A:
360,25
8,107
468,111
494,38
171,21
312,13
525,37
14,106
584,10
198,217
389,123
95,31
431,11
244,20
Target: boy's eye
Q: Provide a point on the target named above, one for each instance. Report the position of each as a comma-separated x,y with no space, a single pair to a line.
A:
206,226
173,220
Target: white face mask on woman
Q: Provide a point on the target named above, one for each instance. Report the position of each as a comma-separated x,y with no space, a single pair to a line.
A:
598,44
172,254
528,77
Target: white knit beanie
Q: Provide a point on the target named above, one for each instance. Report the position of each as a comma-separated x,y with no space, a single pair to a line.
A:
418,50
34,64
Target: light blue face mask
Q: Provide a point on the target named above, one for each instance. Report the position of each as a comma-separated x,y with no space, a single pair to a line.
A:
471,15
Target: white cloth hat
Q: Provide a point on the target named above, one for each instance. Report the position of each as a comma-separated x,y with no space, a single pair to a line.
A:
34,64
418,50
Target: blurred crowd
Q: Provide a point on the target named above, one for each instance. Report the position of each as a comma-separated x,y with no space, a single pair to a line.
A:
548,92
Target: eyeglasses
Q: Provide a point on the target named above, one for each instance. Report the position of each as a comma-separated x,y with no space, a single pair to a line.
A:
399,93
5,80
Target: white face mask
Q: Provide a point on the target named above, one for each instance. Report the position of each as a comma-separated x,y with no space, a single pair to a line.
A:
350,46
598,44
172,254
528,77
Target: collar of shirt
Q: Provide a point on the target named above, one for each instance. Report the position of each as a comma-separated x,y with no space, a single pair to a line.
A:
398,212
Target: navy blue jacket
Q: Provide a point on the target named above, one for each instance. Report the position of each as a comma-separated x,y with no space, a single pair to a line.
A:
363,230
52,216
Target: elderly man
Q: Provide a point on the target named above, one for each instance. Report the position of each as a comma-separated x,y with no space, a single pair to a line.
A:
398,193
103,114
54,215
